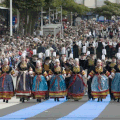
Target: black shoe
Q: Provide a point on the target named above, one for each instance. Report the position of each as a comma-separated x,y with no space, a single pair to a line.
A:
76,100
54,99
58,99
98,99
118,100
6,101
28,99
23,100
38,100
114,99
101,99
93,99
66,97
20,99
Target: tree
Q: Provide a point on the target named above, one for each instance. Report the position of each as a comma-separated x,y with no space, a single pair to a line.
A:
26,8
32,8
108,10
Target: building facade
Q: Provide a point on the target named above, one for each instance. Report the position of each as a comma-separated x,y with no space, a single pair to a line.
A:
95,3
1,1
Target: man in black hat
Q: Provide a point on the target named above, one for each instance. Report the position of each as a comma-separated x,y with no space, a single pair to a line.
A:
75,50
47,67
33,61
109,67
57,55
62,60
41,48
82,60
99,49
89,65
68,74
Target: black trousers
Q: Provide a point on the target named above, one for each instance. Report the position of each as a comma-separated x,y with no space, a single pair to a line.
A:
47,95
89,88
67,80
110,84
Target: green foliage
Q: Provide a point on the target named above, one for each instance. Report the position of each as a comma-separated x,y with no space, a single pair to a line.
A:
33,8
108,10
70,6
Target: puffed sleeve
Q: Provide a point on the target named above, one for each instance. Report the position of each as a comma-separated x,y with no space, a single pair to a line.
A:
91,74
114,69
0,72
107,73
50,72
82,71
45,74
12,72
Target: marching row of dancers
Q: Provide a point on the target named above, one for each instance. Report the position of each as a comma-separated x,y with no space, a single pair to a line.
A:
48,80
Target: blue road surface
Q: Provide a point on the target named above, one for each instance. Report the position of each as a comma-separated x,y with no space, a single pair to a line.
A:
33,110
88,111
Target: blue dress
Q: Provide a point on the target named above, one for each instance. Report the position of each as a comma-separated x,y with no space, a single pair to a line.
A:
115,88
99,86
39,87
6,83
57,84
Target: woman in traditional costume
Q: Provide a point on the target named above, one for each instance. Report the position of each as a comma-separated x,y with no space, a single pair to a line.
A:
57,82
76,84
23,83
39,87
99,86
115,87
6,82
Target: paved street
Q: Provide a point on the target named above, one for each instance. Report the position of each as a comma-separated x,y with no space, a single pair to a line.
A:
63,110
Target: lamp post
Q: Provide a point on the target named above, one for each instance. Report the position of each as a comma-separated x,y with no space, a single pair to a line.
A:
56,13
41,18
49,15
11,31
61,22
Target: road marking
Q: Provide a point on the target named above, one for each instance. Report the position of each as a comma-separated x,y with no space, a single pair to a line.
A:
11,102
33,110
88,111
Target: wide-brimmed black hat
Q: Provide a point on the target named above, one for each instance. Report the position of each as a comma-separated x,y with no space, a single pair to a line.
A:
57,53
113,56
47,58
67,64
34,56
83,54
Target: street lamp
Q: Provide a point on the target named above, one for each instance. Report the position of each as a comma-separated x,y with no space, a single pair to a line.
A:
42,18
11,32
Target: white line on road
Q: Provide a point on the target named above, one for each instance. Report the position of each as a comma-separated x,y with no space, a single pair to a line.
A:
11,102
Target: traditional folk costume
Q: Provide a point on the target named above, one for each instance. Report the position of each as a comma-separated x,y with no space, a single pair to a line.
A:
115,88
23,83
39,87
68,75
76,84
63,57
6,82
99,50
57,83
99,86
89,65
109,67
47,66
